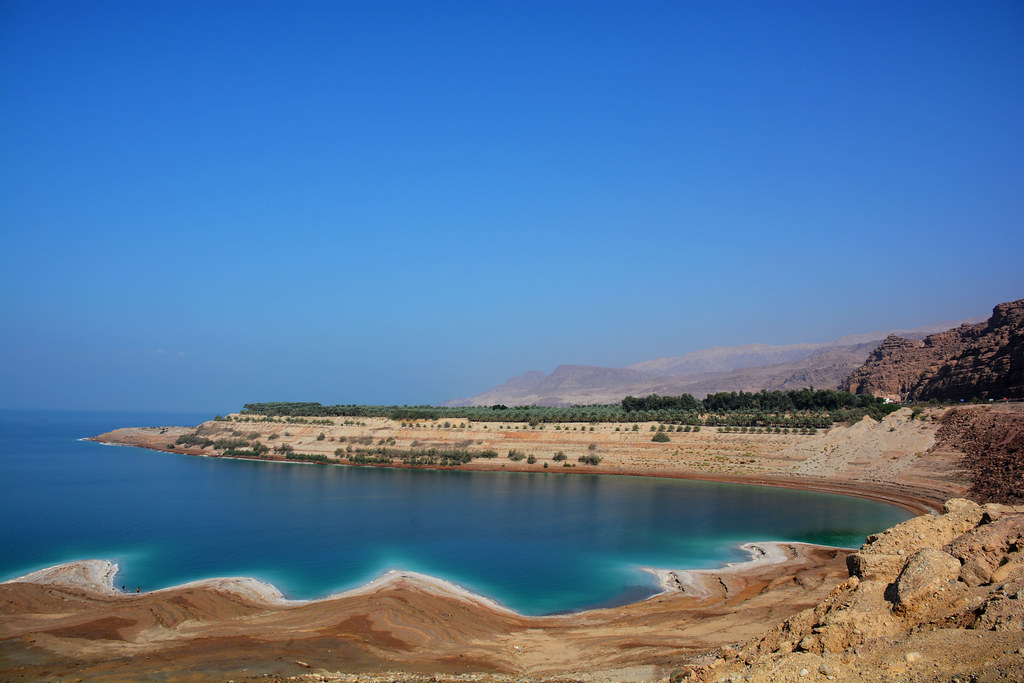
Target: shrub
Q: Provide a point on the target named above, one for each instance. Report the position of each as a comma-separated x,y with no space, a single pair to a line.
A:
592,447
308,457
559,456
320,436
589,459
660,437
530,460
515,456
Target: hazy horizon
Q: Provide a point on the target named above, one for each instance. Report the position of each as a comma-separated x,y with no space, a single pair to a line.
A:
207,204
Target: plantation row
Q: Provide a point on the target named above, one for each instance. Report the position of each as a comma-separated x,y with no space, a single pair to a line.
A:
793,409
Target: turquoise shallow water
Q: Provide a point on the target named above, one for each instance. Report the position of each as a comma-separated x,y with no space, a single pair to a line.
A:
538,543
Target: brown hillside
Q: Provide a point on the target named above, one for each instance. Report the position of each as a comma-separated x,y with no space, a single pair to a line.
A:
984,360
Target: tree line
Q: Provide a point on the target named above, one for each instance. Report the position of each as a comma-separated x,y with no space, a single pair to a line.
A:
794,408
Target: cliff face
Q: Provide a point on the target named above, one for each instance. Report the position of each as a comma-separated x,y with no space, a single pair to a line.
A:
984,360
990,366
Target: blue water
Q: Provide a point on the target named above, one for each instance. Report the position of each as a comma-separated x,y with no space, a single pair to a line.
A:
538,543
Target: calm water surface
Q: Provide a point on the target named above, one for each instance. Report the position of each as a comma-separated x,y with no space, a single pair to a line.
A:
538,543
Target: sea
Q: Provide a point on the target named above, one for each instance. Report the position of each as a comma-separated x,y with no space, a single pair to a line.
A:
538,543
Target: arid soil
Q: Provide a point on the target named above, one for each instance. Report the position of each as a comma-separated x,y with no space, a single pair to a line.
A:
993,445
800,613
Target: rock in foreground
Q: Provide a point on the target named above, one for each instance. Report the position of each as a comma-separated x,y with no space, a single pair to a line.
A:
937,598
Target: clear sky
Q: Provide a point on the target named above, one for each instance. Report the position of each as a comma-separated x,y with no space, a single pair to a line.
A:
209,203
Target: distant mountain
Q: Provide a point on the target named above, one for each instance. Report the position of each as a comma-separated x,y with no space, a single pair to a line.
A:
983,360
727,358
750,367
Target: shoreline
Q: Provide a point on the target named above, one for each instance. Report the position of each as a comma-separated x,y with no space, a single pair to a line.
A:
404,623
96,576
917,504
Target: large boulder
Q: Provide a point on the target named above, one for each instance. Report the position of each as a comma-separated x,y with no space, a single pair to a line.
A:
927,574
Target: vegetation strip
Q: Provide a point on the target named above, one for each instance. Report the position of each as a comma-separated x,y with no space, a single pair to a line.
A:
796,408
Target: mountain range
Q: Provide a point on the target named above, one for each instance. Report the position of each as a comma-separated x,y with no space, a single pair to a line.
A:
749,367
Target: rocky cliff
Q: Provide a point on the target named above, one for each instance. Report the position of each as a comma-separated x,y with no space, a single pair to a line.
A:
983,360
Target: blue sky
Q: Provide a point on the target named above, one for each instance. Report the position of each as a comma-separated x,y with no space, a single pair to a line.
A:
209,203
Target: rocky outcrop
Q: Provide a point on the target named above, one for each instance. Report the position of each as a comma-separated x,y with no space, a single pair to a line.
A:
894,368
990,366
933,589
983,360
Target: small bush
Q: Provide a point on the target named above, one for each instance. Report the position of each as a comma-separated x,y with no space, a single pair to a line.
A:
660,437
559,456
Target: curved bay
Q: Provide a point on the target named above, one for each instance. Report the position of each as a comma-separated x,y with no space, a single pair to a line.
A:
538,543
